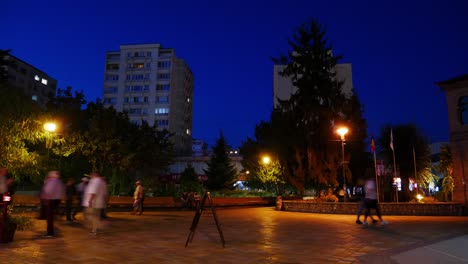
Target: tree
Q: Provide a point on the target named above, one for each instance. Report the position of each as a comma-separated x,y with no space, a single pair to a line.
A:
405,138
445,167
220,171
189,179
301,131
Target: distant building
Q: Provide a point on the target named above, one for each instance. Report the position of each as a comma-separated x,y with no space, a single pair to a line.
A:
34,82
283,86
199,148
456,92
151,83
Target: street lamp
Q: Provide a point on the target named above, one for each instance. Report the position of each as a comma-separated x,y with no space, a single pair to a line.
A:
266,160
342,131
49,127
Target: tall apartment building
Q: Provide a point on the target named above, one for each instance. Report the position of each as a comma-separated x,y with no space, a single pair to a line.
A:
150,83
283,87
34,82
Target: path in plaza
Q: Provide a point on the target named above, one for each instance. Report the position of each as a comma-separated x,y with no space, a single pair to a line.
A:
253,235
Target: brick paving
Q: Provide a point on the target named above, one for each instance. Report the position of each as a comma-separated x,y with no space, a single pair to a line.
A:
252,235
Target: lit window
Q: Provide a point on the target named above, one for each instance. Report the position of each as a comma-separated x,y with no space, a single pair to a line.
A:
37,78
44,81
188,131
161,111
188,99
34,98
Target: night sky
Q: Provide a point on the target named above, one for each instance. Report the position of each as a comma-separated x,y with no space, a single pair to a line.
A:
398,50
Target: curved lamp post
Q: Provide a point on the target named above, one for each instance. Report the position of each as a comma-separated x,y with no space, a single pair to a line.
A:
342,131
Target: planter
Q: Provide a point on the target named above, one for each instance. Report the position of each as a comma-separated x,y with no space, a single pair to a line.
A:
7,232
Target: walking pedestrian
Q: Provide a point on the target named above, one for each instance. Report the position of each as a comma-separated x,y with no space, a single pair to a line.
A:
359,193
371,200
70,192
139,197
52,193
94,200
80,188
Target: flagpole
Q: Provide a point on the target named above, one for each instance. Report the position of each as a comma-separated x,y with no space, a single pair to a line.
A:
394,174
394,162
375,166
376,178
415,170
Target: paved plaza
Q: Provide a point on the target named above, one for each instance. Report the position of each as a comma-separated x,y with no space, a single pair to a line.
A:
252,235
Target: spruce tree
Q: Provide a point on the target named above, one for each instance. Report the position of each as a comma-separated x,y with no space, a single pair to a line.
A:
220,172
303,127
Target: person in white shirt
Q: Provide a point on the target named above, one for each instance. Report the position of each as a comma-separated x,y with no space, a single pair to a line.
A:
52,193
371,200
94,200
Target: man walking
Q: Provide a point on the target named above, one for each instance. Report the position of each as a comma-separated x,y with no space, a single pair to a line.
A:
52,193
94,200
371,200
139,197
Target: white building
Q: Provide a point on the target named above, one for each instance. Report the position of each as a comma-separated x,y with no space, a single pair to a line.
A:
151,83
283,86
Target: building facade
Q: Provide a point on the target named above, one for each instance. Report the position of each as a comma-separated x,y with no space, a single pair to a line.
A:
152,84
34,82
283,86
456,92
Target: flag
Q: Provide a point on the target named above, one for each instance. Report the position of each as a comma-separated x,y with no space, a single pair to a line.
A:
372,145
391,139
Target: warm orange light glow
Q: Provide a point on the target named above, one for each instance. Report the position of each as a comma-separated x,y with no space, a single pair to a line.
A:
342,131
266,160
50,127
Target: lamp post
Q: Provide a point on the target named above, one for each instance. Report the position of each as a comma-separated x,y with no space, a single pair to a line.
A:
342,131
49,127
266,159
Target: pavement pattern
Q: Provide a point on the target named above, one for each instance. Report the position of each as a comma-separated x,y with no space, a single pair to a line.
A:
252,235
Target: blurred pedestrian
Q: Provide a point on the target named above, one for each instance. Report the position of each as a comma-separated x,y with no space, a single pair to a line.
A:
94,200
70,192
80,188
359,193
52,193
139,197
103,213
371,200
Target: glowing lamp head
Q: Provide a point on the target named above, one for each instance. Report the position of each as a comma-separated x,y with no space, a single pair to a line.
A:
342,131
266,160
50,127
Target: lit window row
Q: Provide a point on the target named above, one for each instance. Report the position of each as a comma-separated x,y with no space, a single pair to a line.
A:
161,111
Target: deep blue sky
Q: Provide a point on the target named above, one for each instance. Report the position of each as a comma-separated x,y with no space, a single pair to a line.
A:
398,50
